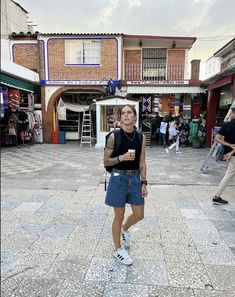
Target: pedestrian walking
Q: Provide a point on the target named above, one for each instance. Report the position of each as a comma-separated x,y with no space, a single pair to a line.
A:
127,182
174,136
226,136
163,130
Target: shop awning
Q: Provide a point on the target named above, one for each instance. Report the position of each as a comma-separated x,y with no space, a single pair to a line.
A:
163,90
16,83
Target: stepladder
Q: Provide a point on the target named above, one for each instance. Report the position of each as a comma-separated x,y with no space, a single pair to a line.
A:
86,133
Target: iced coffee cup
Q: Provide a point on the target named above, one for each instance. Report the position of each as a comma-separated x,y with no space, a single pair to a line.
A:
132,153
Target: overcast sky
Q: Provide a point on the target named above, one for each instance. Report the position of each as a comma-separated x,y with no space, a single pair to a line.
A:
211,21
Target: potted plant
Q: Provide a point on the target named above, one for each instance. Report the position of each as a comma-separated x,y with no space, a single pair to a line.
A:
196,141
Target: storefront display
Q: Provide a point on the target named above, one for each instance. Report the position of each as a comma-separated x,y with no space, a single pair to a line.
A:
107,115
17,116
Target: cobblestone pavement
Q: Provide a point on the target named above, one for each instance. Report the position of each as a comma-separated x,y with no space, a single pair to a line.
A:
56,230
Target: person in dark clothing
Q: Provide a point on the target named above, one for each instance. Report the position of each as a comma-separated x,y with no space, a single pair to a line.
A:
226,136
128,182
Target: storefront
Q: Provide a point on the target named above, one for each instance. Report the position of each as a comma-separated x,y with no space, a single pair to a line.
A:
185,101
221,93
221,89
19,121
107,114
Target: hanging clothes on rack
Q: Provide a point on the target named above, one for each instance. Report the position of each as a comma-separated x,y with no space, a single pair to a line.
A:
4,99
14,99
23,120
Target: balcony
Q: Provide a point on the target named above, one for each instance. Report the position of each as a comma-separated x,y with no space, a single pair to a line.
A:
146,72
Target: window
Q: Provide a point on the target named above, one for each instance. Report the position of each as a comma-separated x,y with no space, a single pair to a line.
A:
154,63
82,52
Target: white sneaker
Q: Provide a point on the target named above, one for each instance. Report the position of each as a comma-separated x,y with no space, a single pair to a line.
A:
167,151
178,152
122,255
126,238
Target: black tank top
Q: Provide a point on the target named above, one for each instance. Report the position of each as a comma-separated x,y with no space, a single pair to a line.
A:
129,141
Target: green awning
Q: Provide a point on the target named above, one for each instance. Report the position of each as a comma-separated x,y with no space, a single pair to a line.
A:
16,83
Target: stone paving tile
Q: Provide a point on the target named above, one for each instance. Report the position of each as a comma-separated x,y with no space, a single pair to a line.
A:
13,216
200,225
158,291
30,229
147,273
32,287
75,226
104,249
226,226
123,290
45,245
17,243
8,260
229,238
42,218
38,198
29,206
194,214
222,277
9,205
102,269
208,238
31,265
212,293
59,230
216,255
146,251
190,275
181,253
87,289
50,208
83,248
8,285
70,267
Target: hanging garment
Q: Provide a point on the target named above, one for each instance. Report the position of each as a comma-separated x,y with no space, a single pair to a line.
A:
146,107
23,121
14,99
4,99
31,120
156,103
30,101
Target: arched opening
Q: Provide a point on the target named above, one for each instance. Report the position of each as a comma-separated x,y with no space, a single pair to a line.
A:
69,118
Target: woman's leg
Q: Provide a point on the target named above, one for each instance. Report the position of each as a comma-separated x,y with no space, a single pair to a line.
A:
135,217
164,139
117,225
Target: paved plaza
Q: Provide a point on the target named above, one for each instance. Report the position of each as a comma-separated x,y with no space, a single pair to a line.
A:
56,230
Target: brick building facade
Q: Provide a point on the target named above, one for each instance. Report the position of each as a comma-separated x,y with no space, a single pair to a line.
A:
77,67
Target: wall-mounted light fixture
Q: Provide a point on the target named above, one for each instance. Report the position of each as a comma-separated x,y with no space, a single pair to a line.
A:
140,43
173,44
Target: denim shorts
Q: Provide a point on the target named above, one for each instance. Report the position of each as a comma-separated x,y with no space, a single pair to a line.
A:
124,187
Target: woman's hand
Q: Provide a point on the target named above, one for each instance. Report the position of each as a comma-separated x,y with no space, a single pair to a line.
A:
127,157
144,191
228,156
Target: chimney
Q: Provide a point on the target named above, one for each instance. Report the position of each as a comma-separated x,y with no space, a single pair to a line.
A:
195,69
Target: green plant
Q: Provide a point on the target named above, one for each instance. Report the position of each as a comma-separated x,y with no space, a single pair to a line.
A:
197,138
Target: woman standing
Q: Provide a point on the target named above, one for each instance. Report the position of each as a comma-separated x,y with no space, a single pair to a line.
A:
128,182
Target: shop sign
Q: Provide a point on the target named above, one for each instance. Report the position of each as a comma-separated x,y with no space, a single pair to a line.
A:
75,82
158,82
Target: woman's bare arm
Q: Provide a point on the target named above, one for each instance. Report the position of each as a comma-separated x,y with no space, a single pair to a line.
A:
108,161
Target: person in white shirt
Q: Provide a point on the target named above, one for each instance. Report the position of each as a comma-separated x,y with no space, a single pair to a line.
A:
163,129
173,135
